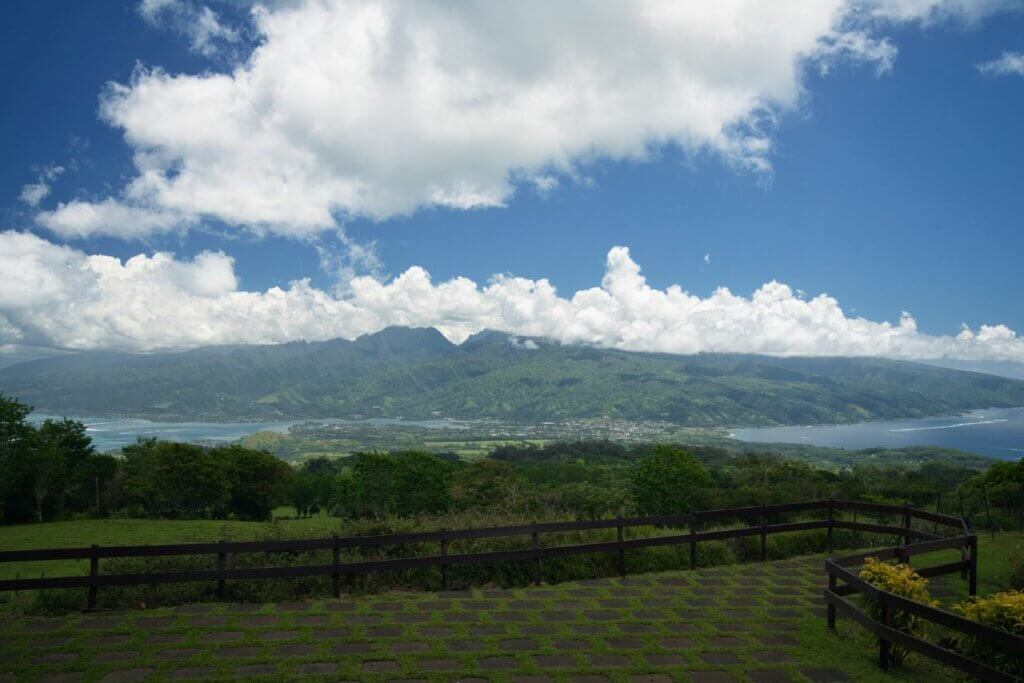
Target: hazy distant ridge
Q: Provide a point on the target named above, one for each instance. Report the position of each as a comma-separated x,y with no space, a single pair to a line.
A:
419,373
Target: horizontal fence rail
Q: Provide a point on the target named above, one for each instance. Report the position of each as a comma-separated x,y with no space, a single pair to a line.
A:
759,522
843,582
758,519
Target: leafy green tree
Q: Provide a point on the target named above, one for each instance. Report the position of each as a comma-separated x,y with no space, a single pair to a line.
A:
421,484
90,486
593,501
998,490
345,496
257,481
15,459
169,479
487,484
757,479
49,470
375,474
302,492
70,439
670,481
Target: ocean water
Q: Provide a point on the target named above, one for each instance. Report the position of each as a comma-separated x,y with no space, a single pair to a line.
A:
997,432
112,433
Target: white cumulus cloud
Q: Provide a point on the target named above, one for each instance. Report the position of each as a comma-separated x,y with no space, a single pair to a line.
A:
377,108
937,11
200,24
1009,64
55,296
33,193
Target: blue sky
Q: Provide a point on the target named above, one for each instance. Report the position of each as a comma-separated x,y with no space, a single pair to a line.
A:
894,191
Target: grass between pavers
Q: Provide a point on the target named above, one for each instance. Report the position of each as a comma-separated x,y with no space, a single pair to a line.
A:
782,598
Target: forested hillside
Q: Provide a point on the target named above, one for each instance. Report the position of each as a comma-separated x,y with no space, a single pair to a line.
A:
417,373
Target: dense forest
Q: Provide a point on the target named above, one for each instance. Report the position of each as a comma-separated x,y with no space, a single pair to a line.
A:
52,472
418,373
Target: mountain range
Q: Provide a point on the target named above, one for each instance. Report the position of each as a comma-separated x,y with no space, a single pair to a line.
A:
418,373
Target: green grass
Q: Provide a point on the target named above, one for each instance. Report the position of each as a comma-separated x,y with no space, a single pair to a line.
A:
993,562
85,532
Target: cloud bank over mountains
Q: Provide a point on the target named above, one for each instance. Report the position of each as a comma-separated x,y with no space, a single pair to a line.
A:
376,109
60,297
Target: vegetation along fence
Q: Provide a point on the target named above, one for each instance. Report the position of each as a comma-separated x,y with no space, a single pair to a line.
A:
881,622
760,522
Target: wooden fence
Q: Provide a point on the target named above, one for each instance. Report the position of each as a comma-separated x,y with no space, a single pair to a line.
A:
842,581
759,523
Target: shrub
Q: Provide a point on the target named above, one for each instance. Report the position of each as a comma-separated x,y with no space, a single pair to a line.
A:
1004,611
670,481
901,580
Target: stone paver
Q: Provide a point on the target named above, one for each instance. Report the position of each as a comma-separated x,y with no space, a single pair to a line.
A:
250,670
711,626
190,673
821,675
380,666
769,676
498,663
127,675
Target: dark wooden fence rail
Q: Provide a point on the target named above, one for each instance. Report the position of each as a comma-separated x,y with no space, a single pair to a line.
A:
758,518
842,582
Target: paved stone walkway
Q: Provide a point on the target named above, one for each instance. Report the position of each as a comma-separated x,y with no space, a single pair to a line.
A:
738,623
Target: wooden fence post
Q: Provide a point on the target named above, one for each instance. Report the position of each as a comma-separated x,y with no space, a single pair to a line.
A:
693,541
964,549
906,525
538,569
831,524
972,586
221,566
335,561
622,551
444,564
832,585
94,570
883,644
764,533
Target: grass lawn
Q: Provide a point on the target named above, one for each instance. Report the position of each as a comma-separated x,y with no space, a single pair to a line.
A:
78,533
993,563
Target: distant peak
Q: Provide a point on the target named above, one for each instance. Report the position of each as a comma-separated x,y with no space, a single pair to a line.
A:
494,337
405,341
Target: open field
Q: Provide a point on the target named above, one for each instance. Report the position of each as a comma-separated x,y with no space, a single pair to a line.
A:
762,622
141,532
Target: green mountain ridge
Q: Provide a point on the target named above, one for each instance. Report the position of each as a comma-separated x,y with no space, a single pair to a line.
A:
418,373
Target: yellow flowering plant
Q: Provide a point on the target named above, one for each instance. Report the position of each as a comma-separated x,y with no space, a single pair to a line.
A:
1004,611
901,580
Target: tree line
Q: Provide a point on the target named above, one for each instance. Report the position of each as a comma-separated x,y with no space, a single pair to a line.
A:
52,471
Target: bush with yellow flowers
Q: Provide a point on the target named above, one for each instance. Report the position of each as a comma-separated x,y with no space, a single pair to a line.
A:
901,580
1004,611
